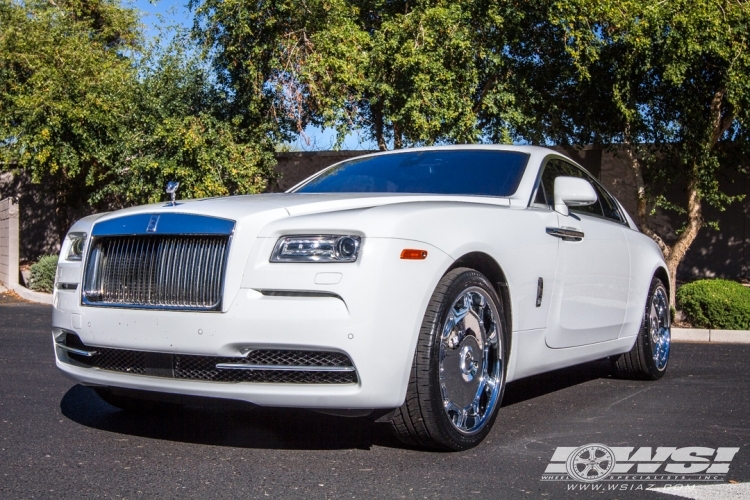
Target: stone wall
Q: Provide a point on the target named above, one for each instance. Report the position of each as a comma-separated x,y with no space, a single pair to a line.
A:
295,167
37,221
8,242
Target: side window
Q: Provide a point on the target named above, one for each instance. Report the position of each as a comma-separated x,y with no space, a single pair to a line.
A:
540,198
609,205
557,168
551,171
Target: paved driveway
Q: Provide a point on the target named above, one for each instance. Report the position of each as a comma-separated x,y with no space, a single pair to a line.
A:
59,440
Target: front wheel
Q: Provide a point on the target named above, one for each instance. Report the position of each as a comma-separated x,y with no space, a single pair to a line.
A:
649,357
458,374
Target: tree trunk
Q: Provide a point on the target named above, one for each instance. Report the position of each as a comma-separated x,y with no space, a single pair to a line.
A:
673,254
642,197
397,140
721,119
62,218
377,119
694,223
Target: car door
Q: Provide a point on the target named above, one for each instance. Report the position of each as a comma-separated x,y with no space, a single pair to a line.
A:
590,297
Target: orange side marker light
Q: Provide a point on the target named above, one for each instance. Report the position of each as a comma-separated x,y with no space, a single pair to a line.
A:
412,254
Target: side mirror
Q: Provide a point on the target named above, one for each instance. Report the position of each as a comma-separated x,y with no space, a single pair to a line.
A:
573,192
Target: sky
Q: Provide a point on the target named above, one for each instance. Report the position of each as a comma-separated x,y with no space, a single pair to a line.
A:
172,12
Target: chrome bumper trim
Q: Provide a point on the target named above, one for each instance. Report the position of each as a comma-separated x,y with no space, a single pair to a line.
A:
81,352
283,368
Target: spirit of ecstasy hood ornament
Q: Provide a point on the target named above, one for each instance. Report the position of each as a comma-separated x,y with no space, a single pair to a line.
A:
172,190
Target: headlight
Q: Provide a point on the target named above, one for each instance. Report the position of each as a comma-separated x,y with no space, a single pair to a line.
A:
77,244
316,248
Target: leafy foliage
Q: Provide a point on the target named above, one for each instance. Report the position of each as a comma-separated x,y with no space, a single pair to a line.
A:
409,73
62,92
43,274
666,83
672,75
102,119
716,303
179,131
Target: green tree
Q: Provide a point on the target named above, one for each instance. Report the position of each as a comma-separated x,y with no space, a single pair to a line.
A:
63,77
179,130
102,119
667,81
284,64
408,73
434,73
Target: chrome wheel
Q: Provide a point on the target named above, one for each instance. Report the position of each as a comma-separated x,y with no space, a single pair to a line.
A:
659,329
649,357
471,369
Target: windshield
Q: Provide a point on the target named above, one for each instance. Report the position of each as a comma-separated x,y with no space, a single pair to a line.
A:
459,172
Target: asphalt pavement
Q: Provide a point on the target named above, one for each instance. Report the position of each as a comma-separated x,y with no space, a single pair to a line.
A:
59,440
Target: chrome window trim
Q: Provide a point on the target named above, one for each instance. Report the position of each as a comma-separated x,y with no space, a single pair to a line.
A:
538,181
623,220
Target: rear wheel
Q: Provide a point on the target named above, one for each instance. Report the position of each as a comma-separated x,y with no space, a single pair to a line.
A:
649,357
458,373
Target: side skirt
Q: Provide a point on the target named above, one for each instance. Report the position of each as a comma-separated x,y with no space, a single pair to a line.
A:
532,356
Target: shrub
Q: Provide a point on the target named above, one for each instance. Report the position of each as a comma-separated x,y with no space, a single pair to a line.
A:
720,304
43,274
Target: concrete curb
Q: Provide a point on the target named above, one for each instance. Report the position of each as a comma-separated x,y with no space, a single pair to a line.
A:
712,336
31,295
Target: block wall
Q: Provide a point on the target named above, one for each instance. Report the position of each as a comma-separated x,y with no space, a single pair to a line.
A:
8,242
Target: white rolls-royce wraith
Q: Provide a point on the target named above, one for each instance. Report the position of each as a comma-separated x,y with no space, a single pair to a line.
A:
409,285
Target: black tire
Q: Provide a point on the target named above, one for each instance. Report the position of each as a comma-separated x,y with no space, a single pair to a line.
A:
639,363
130,401
423,420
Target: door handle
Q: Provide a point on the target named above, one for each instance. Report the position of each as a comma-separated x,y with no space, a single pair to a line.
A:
566,233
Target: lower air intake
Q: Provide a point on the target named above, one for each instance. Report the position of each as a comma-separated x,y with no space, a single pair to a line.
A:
262,365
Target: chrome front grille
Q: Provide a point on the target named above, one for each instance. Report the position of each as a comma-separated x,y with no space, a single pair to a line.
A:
159,271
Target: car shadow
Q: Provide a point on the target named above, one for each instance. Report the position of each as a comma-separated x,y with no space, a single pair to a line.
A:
242,425
545,383
232,424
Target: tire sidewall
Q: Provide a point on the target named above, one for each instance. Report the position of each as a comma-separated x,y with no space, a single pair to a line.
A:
645,337
466,279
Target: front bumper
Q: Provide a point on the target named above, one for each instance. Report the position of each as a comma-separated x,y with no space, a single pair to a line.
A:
373,315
